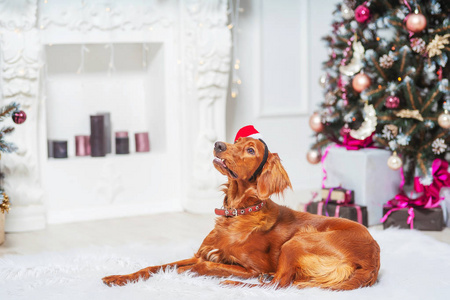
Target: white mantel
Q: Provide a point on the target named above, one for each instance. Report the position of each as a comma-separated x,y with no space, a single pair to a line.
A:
189,44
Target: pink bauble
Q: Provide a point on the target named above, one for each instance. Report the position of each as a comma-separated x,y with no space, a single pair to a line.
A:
361,82
19,117
315,122
313,156
416,22
392,102
362,13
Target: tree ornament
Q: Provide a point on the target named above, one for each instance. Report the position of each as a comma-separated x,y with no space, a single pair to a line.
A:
315,122
19,117
330,98
347,12
394,162
409,114
392,102
368,126
313,156
444,120
416,22
323,80
438,146
386,61
356,62
4,203
362,13
418,45
345,130
438,43
360,82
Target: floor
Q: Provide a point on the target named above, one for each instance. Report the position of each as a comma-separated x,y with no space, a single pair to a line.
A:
160,228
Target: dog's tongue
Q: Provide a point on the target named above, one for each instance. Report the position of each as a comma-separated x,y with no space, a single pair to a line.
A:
220,162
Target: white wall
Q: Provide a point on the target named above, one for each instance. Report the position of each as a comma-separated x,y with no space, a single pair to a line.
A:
281,54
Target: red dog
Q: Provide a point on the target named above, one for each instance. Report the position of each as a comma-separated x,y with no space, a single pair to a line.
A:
255,237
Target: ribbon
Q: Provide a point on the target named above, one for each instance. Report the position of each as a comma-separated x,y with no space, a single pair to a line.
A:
406,18
430,193
441,178
358,212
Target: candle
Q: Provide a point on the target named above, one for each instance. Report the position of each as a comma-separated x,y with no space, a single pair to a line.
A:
142,142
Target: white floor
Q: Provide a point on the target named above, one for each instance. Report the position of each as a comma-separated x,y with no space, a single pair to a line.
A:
160,229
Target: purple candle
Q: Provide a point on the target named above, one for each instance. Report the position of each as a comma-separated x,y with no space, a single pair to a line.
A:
122,142
82,145
60,149
98,146
142,142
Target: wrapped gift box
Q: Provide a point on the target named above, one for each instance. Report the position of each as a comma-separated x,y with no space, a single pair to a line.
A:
430,219
338,195
345,211
364,171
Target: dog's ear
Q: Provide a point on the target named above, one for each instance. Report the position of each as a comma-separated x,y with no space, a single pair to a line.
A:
273,178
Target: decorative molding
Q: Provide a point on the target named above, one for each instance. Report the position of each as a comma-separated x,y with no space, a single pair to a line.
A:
20,68
18,15
106,15
207,44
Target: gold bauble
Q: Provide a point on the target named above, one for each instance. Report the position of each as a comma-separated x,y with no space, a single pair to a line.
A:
313,156
315,122
361,82
444,120
394,162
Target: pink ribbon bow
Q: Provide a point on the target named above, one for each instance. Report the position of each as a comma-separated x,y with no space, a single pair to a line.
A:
430,194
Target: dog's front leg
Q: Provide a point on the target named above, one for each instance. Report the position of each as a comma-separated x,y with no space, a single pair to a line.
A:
217,269
146,272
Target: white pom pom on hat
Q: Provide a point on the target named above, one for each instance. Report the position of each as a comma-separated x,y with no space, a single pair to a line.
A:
248,131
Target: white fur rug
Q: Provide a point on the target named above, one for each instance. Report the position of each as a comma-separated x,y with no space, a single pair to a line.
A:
413,266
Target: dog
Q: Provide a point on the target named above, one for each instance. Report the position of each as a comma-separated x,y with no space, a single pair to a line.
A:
254,237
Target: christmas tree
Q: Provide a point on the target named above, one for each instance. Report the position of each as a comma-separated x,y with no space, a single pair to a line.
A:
386,82
18,117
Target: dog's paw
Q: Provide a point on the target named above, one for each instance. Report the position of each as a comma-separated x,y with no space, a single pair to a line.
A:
115,280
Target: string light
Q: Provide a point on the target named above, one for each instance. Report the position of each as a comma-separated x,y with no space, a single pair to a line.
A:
233,11
399,79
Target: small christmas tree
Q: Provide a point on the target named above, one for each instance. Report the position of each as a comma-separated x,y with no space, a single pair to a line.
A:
386,80
6,111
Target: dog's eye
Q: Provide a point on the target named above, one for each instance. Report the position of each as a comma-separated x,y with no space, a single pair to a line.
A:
251,151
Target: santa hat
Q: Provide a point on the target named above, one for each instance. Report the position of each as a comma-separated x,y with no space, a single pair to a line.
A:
248,131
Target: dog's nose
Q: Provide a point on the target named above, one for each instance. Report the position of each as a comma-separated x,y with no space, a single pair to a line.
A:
220,147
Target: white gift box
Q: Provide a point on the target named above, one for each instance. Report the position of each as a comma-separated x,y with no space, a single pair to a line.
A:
366,172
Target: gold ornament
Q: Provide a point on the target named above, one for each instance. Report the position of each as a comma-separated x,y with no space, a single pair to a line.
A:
361,82
444,120
355,65
4,206
323,80
409,114
315,122
313,156
368,126
394,162
438,43
393,129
